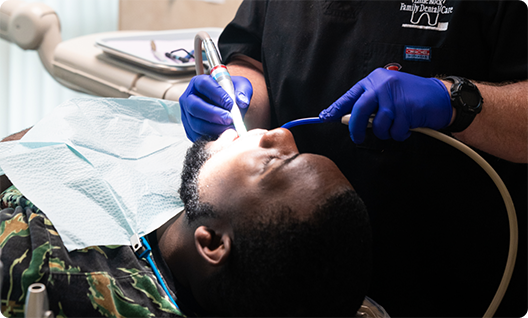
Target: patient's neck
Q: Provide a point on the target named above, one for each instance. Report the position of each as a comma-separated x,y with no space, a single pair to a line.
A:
161,230
175,242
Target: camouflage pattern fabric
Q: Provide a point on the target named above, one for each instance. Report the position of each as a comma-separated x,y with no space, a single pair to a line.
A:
99,281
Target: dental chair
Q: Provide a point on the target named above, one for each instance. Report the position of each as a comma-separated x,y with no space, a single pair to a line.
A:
81,66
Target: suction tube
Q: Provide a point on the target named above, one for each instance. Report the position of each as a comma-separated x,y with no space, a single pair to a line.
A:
510,209
218,72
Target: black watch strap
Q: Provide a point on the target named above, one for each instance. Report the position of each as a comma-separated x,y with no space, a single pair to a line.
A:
466,99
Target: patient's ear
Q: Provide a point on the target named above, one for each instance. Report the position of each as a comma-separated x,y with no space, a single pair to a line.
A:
212,246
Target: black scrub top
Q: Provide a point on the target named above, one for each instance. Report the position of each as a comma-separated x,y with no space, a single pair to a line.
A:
440,225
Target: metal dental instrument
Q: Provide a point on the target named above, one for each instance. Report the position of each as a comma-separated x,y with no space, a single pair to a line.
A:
218,72
158,55
37,302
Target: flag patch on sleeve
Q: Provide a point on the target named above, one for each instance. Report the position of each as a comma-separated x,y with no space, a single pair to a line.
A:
417,53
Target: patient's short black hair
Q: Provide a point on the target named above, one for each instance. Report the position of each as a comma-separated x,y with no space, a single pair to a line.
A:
282,266
195,158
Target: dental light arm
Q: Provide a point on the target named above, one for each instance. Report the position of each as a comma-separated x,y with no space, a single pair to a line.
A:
77,63
32,26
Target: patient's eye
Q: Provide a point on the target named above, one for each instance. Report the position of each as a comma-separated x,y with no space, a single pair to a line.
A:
267,160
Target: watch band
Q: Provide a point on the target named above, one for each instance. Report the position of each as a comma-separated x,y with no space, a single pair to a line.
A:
465,113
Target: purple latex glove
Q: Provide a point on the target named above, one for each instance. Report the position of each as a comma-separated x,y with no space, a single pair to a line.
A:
205,105
402,102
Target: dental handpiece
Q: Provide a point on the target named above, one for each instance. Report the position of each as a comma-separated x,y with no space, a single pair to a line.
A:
219,73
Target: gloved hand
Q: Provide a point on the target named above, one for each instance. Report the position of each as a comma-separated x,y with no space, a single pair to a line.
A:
402,101
205,105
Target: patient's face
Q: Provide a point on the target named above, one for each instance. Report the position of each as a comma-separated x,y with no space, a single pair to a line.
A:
264,168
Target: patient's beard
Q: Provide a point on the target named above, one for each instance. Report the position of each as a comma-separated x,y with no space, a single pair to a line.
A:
196,156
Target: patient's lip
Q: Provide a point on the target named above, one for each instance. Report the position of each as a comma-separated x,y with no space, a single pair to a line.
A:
223,141
256,131
232,135
228,136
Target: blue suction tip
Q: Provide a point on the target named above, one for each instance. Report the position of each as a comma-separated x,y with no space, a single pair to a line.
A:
302,121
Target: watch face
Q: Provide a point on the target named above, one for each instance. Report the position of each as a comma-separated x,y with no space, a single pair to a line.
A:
466,99
470,97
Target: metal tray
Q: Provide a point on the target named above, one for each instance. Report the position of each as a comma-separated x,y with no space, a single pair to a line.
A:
137,49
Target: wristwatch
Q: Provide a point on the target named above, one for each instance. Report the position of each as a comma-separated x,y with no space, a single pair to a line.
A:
466,99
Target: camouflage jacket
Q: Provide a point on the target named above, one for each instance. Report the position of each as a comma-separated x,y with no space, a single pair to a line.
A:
107,281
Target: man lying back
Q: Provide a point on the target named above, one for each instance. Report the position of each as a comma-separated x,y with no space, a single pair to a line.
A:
266,231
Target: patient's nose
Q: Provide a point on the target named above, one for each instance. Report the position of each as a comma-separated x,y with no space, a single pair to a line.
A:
279,138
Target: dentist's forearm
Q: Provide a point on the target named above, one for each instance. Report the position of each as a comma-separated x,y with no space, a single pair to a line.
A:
501,129
258,114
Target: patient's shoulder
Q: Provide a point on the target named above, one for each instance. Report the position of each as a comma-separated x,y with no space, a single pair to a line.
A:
16,136
5,183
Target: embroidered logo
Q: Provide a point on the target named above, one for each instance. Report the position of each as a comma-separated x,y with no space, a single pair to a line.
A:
425,14
417,53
